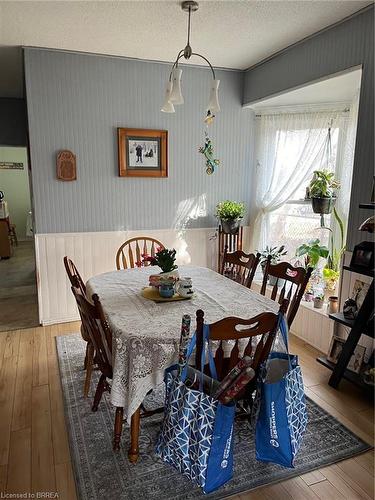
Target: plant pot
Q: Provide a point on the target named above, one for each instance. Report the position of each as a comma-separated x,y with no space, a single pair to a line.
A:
272,281
170,274
318,303
323,205
309,297
230,226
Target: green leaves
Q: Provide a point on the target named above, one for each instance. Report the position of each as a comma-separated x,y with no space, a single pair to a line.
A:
274,252
312,251
230,210
323,184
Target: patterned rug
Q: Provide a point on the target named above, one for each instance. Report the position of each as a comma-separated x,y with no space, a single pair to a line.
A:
101,473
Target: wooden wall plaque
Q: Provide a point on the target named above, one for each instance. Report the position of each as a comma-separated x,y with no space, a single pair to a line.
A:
66,166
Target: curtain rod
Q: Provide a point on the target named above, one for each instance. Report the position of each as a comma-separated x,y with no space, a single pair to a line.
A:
346,110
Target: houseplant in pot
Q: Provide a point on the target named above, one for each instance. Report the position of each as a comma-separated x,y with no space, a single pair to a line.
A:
312,252
275,254
331,271
319,301
230,214
322,191
165,259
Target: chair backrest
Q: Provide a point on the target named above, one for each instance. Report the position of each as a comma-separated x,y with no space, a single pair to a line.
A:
290,283
97,327
130,253
260,332
74,277
240,266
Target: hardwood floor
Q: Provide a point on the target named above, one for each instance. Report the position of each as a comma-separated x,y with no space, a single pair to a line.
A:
34,450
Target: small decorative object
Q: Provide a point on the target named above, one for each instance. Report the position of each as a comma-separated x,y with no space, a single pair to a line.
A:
309,297
318,301
368,225
333,304
363,256
208,152
230,214
369,376
142,152
312,252
66,166
173,95
166,290
165,259
356,359
350,308
185,287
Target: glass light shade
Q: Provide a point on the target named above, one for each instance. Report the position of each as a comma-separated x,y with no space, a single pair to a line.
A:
176,95
168,106
213,104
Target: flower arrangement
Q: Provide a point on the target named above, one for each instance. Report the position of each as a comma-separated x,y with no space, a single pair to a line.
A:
163,258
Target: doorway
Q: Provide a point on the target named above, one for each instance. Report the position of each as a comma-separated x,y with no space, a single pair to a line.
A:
18,291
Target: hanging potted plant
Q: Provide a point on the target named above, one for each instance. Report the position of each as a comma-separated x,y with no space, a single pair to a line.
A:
230,214
322,191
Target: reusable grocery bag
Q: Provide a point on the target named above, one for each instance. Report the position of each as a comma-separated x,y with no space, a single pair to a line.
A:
282,416
196,433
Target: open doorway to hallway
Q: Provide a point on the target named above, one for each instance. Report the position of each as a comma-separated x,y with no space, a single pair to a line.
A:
18,292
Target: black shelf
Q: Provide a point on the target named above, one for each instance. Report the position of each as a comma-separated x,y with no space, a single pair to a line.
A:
367,206
353,377
360,270
341,319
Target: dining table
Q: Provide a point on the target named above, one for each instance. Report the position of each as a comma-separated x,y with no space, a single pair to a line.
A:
146,333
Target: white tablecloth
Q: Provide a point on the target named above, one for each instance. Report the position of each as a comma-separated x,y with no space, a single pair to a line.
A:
146,334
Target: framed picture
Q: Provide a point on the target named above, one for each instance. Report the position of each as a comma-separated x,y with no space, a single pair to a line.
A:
142,152
363,255
356,360
360,289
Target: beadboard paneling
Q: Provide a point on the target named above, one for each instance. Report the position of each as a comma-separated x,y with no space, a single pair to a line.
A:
76,101
94,253
345,45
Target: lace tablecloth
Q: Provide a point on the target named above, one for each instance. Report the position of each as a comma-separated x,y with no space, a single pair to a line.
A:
146,333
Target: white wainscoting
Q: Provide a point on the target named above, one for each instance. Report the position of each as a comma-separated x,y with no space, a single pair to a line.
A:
94,253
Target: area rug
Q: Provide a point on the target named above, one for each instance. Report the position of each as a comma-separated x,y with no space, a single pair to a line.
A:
101,473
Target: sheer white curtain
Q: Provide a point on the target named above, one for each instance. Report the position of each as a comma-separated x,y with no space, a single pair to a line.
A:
289,147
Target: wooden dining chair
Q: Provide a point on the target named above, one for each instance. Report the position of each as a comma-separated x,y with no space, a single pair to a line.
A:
77,282
290,284
129,255
258,334
240,266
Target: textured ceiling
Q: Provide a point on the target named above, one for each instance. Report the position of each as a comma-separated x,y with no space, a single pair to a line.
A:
232,34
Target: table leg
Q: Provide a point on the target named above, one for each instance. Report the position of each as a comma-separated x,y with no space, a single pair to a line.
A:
133,452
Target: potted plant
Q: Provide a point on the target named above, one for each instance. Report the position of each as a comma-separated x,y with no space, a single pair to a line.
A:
319,301
230,214
165,259
275,254
322,191
312,251
331,271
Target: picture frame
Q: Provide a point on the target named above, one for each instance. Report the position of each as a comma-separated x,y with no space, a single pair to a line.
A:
356,359
363,256
360,289
142,152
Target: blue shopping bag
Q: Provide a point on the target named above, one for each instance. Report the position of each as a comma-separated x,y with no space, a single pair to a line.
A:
196,433
282,416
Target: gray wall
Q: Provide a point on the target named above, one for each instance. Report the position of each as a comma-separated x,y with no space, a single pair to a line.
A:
76,101
12,122
348,44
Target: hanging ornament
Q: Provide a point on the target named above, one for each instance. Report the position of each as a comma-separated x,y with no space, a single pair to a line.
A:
207,151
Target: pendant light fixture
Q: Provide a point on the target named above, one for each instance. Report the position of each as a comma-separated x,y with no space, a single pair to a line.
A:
173,94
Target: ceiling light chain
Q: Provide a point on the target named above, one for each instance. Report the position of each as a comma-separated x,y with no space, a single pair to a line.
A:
173,95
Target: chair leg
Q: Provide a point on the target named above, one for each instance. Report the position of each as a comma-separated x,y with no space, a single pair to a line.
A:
89,365
99,392
85,362
133,452
118,427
